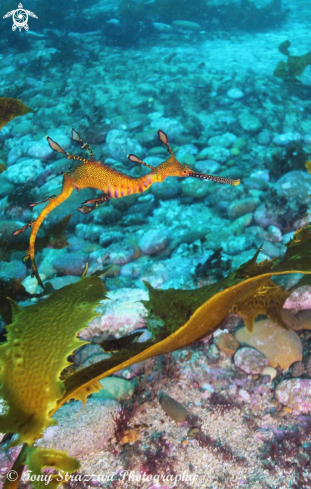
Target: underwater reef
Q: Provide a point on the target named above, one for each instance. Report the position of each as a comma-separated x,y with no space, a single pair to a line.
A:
179,316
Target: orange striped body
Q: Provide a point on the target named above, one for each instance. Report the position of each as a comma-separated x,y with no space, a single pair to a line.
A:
115,184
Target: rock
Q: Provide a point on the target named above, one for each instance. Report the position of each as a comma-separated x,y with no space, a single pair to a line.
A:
168,189
25,171
243,206
60,282
89,232
299,299
193,187
153,241
249,122
265,216
23,128
287,138
172,127
207,166
305,318
12,270
271,250
298,369
214,153
187,25
226,343
120,315
85,352
264,138
235,93
239,143
238,225
295,186
291,320
116,253
295,393
282,347
40,149
271,371
184,150
71,263
237,244
172,408
121,143
115,388
106,214
249,360
224,141
308,365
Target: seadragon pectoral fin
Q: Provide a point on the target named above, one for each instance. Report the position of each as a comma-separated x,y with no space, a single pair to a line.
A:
23,229
55,146
84,209
135,159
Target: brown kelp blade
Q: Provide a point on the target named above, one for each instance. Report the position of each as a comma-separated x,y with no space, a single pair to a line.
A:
11,108
214,178
204,320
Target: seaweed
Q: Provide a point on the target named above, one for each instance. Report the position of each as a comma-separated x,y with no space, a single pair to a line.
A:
290,450
213,267
187,317
293,157
11,108
293,67
157,456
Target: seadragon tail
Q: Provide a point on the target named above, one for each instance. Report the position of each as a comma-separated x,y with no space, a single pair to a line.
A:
35,225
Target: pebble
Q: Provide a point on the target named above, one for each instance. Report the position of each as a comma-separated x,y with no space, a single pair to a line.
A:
216,153
295,186
271,371
172,408
224,141
235,93
70,263
153,241
250,122
282,347
249,360
168,189
226,343
207,166
116,253
305,318
121,143
172,127
295,393
89,232
25,171
238,225
264,138
193,187
243,206
115,388
186,24
106,215
287,138
298,369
